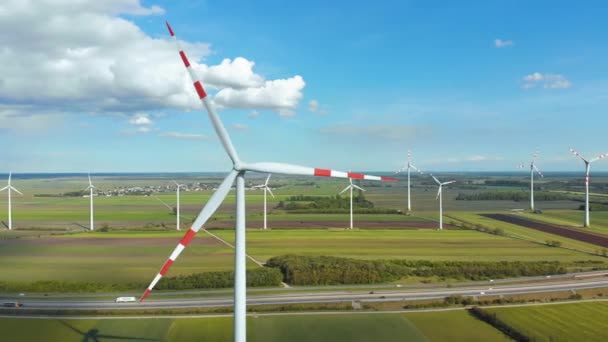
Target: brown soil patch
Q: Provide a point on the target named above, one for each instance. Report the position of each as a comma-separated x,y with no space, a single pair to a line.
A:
572,233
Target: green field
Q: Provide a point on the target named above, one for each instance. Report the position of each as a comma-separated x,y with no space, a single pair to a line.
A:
574,218
558,322
296,328
120,257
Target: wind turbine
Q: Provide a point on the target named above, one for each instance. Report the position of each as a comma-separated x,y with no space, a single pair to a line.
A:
266,189
9,187
532,169
587,222
178,186
90,188
239,168
408,167
350,187
440,197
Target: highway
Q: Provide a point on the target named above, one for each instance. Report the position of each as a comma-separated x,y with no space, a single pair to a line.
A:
477,290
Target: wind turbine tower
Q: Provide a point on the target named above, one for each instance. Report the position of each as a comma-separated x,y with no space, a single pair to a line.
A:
178,186
440,197
10,188
532,169
587,222
350,187
408,167
91,187
266,189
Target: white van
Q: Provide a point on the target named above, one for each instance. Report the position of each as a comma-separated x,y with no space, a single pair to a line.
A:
125,299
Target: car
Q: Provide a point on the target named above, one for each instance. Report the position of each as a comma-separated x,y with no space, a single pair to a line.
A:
12,304
482,293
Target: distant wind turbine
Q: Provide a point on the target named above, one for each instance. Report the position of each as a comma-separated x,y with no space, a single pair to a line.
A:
440,197
266,189
532,169
350,187
178,186
90,188
587,222
408,167
9,187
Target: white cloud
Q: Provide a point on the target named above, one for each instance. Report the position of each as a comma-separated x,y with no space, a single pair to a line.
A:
142,122
499,43
240,127
480,158
313,106
280,95
547,81
82,56
187,136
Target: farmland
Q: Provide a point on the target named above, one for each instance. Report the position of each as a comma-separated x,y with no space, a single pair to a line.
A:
121,256
559,322
335,327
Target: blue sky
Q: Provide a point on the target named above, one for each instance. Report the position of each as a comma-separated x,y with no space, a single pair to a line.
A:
382,78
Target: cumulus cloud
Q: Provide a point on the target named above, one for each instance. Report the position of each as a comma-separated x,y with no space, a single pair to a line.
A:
280,95
142,122
188,136
499,43
81,56
547,81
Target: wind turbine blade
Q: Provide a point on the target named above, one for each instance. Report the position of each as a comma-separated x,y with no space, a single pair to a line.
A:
438,192
163,202
601,156
409,155
358,187
220,130
345,189
417,169
436,180
290,169
90,183
577,154
450,182
267,179
270,191
537,170
176,183
214,202
10,175
6,187
17,191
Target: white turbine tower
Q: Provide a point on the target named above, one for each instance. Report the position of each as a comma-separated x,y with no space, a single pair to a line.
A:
10,188
408,167
91,188
266,189
587,222
178,186
350,187
440,197
239,168
532,169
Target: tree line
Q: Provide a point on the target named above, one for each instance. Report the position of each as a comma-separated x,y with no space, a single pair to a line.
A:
326,270
513,196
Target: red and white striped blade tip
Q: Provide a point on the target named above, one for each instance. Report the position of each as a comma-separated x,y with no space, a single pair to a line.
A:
170,29
352,175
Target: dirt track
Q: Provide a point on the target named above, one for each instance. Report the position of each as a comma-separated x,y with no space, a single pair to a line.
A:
572,233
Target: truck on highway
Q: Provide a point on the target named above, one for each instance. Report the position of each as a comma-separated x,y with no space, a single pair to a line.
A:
125,299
